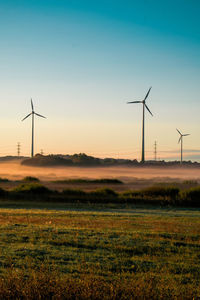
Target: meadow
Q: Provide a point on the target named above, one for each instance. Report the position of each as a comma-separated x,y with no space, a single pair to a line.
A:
138,253
99,238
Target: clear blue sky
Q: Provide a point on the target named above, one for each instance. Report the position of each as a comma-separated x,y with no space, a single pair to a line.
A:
81,61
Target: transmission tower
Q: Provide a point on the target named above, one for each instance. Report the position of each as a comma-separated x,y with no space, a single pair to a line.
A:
155,151
18,149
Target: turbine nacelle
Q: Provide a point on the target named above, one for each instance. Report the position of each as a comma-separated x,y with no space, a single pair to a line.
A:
181,135
143,101
181,140
33,112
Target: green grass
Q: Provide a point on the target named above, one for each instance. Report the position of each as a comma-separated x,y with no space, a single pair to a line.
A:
134,254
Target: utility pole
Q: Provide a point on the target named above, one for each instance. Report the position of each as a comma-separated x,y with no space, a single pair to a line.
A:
155,151
18,149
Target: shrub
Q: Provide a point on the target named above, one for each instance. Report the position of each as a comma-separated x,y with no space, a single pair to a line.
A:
107,180
191,196
104,192
131,194
4,180
190,182
153,192
73,192
98,181
31,188
2,192
161,191
30,179
94,196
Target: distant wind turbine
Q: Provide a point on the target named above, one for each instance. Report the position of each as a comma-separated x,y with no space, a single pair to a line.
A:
33,113
181,140
144,106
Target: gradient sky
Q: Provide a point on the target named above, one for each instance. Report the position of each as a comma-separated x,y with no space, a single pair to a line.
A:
81,61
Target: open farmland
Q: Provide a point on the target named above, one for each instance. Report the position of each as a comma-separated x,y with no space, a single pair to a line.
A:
129,254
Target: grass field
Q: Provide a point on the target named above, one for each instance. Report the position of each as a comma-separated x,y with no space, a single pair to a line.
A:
114,254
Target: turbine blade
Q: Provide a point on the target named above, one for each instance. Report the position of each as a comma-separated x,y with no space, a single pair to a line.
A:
40,115
178,131
148,109
134,102
186,134
32,104
179,139
26,117
147,94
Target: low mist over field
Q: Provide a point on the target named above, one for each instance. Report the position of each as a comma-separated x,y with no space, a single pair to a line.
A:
14,170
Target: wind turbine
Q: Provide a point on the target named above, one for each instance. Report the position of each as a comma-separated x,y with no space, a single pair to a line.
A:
181,140
144,106
32,114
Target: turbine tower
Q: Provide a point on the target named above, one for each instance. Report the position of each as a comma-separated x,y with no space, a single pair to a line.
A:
32,114
143,119
181,140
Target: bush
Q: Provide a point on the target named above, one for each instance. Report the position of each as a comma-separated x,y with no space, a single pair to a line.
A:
104,192
30,179
73,192
4,180
31,188
92,181
161,191
2,192
190,182
98,195
107,180
153,195
191,196
131,194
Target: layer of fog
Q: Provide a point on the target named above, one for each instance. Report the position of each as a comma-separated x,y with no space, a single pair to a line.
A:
15,171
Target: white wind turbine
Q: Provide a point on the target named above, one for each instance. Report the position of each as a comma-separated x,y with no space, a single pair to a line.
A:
32,114
181,140
143,119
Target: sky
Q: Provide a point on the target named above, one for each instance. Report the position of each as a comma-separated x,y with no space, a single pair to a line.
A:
81,61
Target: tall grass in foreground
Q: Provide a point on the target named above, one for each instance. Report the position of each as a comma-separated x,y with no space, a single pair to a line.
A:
46,283
99,255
